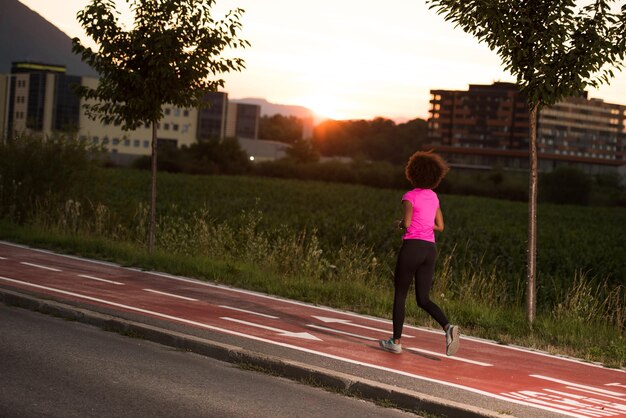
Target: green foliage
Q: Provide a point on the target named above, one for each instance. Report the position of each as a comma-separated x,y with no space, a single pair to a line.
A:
301,151
212,156
169,56
375,174
378,139
37,171
565,185
553,47
497,183
287,129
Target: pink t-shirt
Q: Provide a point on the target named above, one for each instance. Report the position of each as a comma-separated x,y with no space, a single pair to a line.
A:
425,204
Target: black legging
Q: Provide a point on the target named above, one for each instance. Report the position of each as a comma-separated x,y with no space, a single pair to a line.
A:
415,259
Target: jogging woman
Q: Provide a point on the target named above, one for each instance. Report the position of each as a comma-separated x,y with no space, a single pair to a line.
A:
416,259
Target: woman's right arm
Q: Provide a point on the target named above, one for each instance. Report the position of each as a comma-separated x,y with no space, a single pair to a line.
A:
438,221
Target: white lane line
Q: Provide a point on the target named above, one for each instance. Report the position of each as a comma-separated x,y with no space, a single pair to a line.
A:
249,312
336,331
99,279
327,320
294,347
434,353
39,266
304,335
576,385
171,295
3,258
620,385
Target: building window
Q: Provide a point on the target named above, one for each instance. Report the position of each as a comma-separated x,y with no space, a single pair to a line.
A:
186,113
136,143
146,144
126,142
166,126
116,141
167,111
175,127
105,140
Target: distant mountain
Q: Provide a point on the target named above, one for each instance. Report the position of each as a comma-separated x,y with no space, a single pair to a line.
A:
26,36
271,109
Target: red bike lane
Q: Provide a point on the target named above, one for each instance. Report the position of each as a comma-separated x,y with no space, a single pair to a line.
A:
512,374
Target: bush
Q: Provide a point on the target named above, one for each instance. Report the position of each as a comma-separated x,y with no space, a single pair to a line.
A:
212,156
565,185
34,170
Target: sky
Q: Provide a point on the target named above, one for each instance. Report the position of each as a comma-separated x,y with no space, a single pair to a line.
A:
344,59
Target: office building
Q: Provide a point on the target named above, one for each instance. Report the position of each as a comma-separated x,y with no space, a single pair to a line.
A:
243,120
40,98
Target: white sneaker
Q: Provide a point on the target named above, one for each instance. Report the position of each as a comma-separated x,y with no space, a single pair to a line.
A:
391,346
452,340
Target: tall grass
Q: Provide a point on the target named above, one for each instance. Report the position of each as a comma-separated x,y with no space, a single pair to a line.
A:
588,322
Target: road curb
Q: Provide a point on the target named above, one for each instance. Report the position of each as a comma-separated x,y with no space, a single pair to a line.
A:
328,379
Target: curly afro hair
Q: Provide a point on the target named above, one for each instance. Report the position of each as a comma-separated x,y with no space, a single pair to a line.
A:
425,170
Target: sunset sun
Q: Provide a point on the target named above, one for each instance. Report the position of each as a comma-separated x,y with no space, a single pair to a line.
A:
324,107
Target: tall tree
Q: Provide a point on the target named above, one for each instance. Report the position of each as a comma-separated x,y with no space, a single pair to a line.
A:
171,55
556,49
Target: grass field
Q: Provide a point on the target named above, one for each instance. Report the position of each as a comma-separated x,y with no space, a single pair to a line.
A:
335,245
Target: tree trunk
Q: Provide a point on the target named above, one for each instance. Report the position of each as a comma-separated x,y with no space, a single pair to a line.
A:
153,190
531,289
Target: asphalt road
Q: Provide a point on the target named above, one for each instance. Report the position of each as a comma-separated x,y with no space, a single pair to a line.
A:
56,368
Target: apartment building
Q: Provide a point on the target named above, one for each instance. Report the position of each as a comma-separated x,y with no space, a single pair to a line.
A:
488,125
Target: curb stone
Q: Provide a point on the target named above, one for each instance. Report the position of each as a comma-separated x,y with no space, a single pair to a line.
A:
343,383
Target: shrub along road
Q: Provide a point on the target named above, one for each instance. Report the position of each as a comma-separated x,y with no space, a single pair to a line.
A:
338,349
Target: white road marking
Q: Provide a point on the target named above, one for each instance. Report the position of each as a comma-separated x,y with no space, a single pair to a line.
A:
171,295
3,258
620,385
607,406
596,393
576,385
336,331
304,335
348,322
249,312
295,347
455,358
547,401
100,280
39,266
